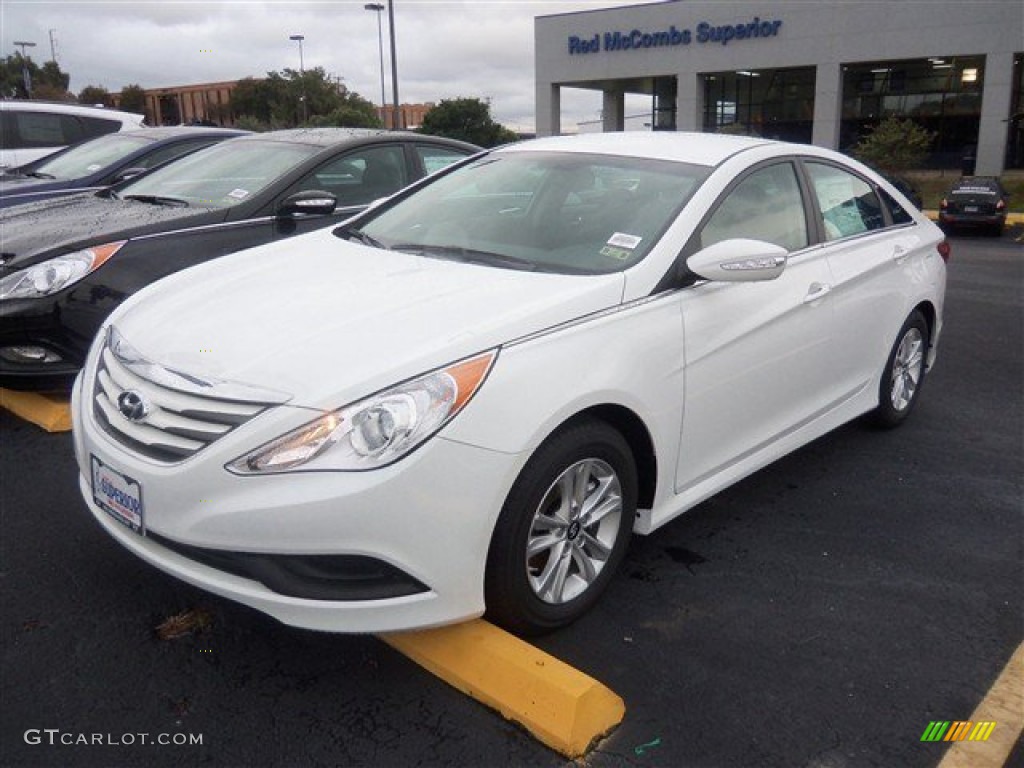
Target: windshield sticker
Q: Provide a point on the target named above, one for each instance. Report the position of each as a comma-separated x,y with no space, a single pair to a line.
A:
624,241
239,194
93,167
615,253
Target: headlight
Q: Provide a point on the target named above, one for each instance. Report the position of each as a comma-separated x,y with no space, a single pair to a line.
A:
376,431
48,277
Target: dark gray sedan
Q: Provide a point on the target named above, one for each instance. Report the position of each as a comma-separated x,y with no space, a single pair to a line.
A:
66,263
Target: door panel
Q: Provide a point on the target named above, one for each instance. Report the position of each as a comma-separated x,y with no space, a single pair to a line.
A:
757,354
865,259
757,364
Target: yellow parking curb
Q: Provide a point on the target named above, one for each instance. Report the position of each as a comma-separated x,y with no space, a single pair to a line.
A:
51,413
561,706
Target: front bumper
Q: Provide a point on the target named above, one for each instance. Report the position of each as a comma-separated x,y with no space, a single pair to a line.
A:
429,516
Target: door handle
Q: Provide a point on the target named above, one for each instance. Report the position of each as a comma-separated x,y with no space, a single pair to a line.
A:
899,253
817,291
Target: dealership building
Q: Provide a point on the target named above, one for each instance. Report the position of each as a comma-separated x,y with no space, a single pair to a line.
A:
813,72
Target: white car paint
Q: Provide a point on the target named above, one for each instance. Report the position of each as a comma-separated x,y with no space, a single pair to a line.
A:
724,378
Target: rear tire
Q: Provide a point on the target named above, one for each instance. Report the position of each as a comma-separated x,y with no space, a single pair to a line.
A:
563,530
904,372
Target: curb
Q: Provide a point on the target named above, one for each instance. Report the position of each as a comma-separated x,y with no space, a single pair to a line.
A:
49,412
562,707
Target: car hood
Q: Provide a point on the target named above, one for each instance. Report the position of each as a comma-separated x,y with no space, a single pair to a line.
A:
47,228
327,321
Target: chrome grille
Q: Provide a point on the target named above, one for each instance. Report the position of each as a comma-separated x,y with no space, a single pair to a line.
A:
176,423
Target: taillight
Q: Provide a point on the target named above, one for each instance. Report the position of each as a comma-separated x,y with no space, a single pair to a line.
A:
945,250
943,204
1000,205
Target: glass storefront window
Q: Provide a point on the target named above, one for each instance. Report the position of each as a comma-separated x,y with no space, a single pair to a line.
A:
771,103
1015,134
942,94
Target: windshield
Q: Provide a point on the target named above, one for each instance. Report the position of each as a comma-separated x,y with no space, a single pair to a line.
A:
559,212
223,175
89,157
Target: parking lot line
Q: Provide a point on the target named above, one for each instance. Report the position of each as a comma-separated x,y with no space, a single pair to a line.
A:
51,413
1002,705
562,707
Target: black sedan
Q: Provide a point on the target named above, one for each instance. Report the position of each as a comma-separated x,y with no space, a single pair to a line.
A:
66,263
975,202
104,161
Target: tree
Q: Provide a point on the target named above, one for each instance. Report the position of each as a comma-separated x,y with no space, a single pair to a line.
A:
48,81
466,120
894,145
133,99
276,101
94,94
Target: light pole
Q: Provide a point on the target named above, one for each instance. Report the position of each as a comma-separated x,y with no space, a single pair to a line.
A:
378,7
397,113
25,74
302,75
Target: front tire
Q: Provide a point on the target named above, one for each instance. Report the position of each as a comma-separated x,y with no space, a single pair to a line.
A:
904,373
563,530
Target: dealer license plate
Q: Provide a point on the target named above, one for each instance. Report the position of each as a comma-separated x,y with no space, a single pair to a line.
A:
118,495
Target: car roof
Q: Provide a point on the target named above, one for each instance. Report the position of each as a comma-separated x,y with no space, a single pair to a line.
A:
173,131
698,148
60,107
329,137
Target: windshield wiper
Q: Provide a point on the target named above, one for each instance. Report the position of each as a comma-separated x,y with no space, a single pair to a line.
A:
469,255
38,175
365,239
175,202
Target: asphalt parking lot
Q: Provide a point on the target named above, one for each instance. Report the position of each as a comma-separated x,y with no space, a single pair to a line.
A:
819,614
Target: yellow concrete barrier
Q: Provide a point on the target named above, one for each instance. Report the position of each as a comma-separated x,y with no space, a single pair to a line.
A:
49,412
562,707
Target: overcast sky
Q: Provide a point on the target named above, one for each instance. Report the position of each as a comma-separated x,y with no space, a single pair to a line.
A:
446,48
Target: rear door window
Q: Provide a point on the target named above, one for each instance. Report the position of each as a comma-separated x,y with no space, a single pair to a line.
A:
847,203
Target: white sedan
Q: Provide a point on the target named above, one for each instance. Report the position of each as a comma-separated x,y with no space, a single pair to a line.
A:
468,398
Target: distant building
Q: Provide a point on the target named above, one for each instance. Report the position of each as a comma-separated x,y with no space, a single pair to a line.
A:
208,103
821,73
410,115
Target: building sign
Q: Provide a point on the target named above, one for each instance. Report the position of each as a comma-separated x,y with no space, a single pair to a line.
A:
673,37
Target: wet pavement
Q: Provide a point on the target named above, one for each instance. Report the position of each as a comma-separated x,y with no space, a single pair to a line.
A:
820,613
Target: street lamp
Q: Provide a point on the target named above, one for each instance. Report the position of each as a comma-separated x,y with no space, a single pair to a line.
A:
302,74
396,122
378,7
25,74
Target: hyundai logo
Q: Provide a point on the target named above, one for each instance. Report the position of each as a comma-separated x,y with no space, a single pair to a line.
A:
132,405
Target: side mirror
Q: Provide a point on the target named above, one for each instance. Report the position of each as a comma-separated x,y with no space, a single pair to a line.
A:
739,261
128,173
310,202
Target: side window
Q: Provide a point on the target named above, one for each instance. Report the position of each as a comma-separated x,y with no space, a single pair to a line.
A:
436,158
91,127
848,205
898,213
360,177
766,205
37,129
164,154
